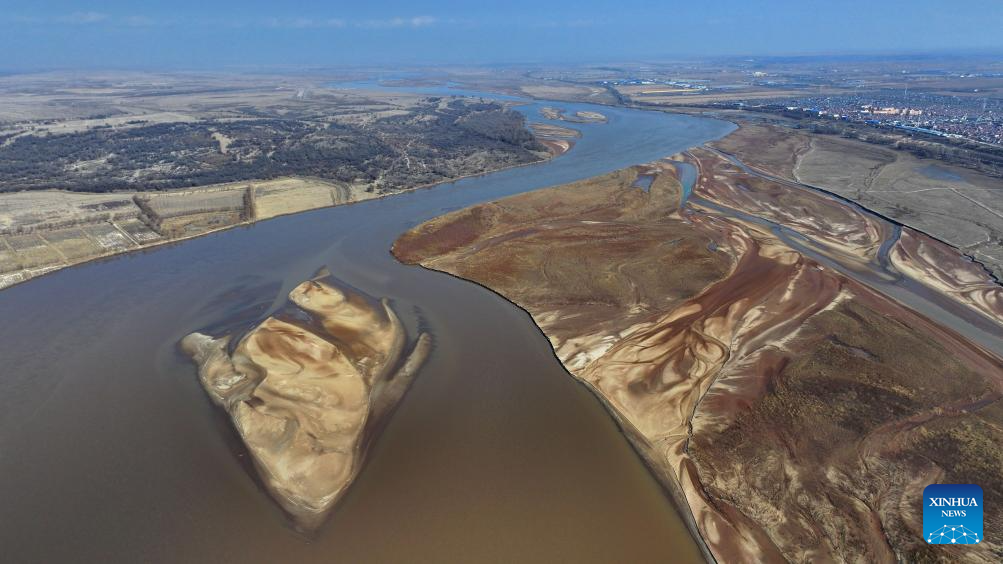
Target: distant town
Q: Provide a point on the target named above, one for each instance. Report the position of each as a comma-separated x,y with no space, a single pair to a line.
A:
949,116
949,97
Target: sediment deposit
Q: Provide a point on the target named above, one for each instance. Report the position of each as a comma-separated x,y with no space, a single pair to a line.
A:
793,411
307,387
950,202
558,140
578,117
940,266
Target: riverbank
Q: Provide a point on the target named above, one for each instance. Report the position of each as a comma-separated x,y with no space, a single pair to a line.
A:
594,213
951,203
117,238
782,359
490,432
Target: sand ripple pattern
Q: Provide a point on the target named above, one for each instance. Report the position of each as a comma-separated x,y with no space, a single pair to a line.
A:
306,387
792,408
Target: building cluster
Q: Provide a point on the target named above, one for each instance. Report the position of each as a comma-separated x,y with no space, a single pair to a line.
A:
978,119
683,84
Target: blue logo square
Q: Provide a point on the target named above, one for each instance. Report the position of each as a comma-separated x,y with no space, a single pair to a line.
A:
952,514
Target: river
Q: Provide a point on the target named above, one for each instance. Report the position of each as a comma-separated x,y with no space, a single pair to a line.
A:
111,451
879,274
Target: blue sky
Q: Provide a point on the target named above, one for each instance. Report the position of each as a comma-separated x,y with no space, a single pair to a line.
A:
248,33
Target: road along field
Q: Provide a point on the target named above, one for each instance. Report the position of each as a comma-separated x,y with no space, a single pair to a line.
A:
45,230
117,162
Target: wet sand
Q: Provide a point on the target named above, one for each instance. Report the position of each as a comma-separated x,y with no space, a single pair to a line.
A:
940,267
782,384
307,387
494,454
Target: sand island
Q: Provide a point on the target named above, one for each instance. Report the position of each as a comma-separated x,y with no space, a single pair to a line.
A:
307,387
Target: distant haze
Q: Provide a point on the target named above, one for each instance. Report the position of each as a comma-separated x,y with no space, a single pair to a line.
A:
227,33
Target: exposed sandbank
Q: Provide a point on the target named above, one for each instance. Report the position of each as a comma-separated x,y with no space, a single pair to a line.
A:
760,385
306,388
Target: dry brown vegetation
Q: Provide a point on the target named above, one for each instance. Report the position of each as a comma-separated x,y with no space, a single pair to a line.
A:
837,459
192,153
550,112
506,245
956,205
775,150
46,230
658,97
794,411
567,92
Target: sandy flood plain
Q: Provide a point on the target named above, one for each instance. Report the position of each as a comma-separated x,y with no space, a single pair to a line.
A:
848,235
307,387
794,413
954,204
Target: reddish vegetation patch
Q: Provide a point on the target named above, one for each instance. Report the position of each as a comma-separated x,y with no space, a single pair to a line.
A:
772,149
796,412
844,229
434,237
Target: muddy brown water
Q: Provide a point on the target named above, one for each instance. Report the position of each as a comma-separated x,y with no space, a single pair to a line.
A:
111,452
